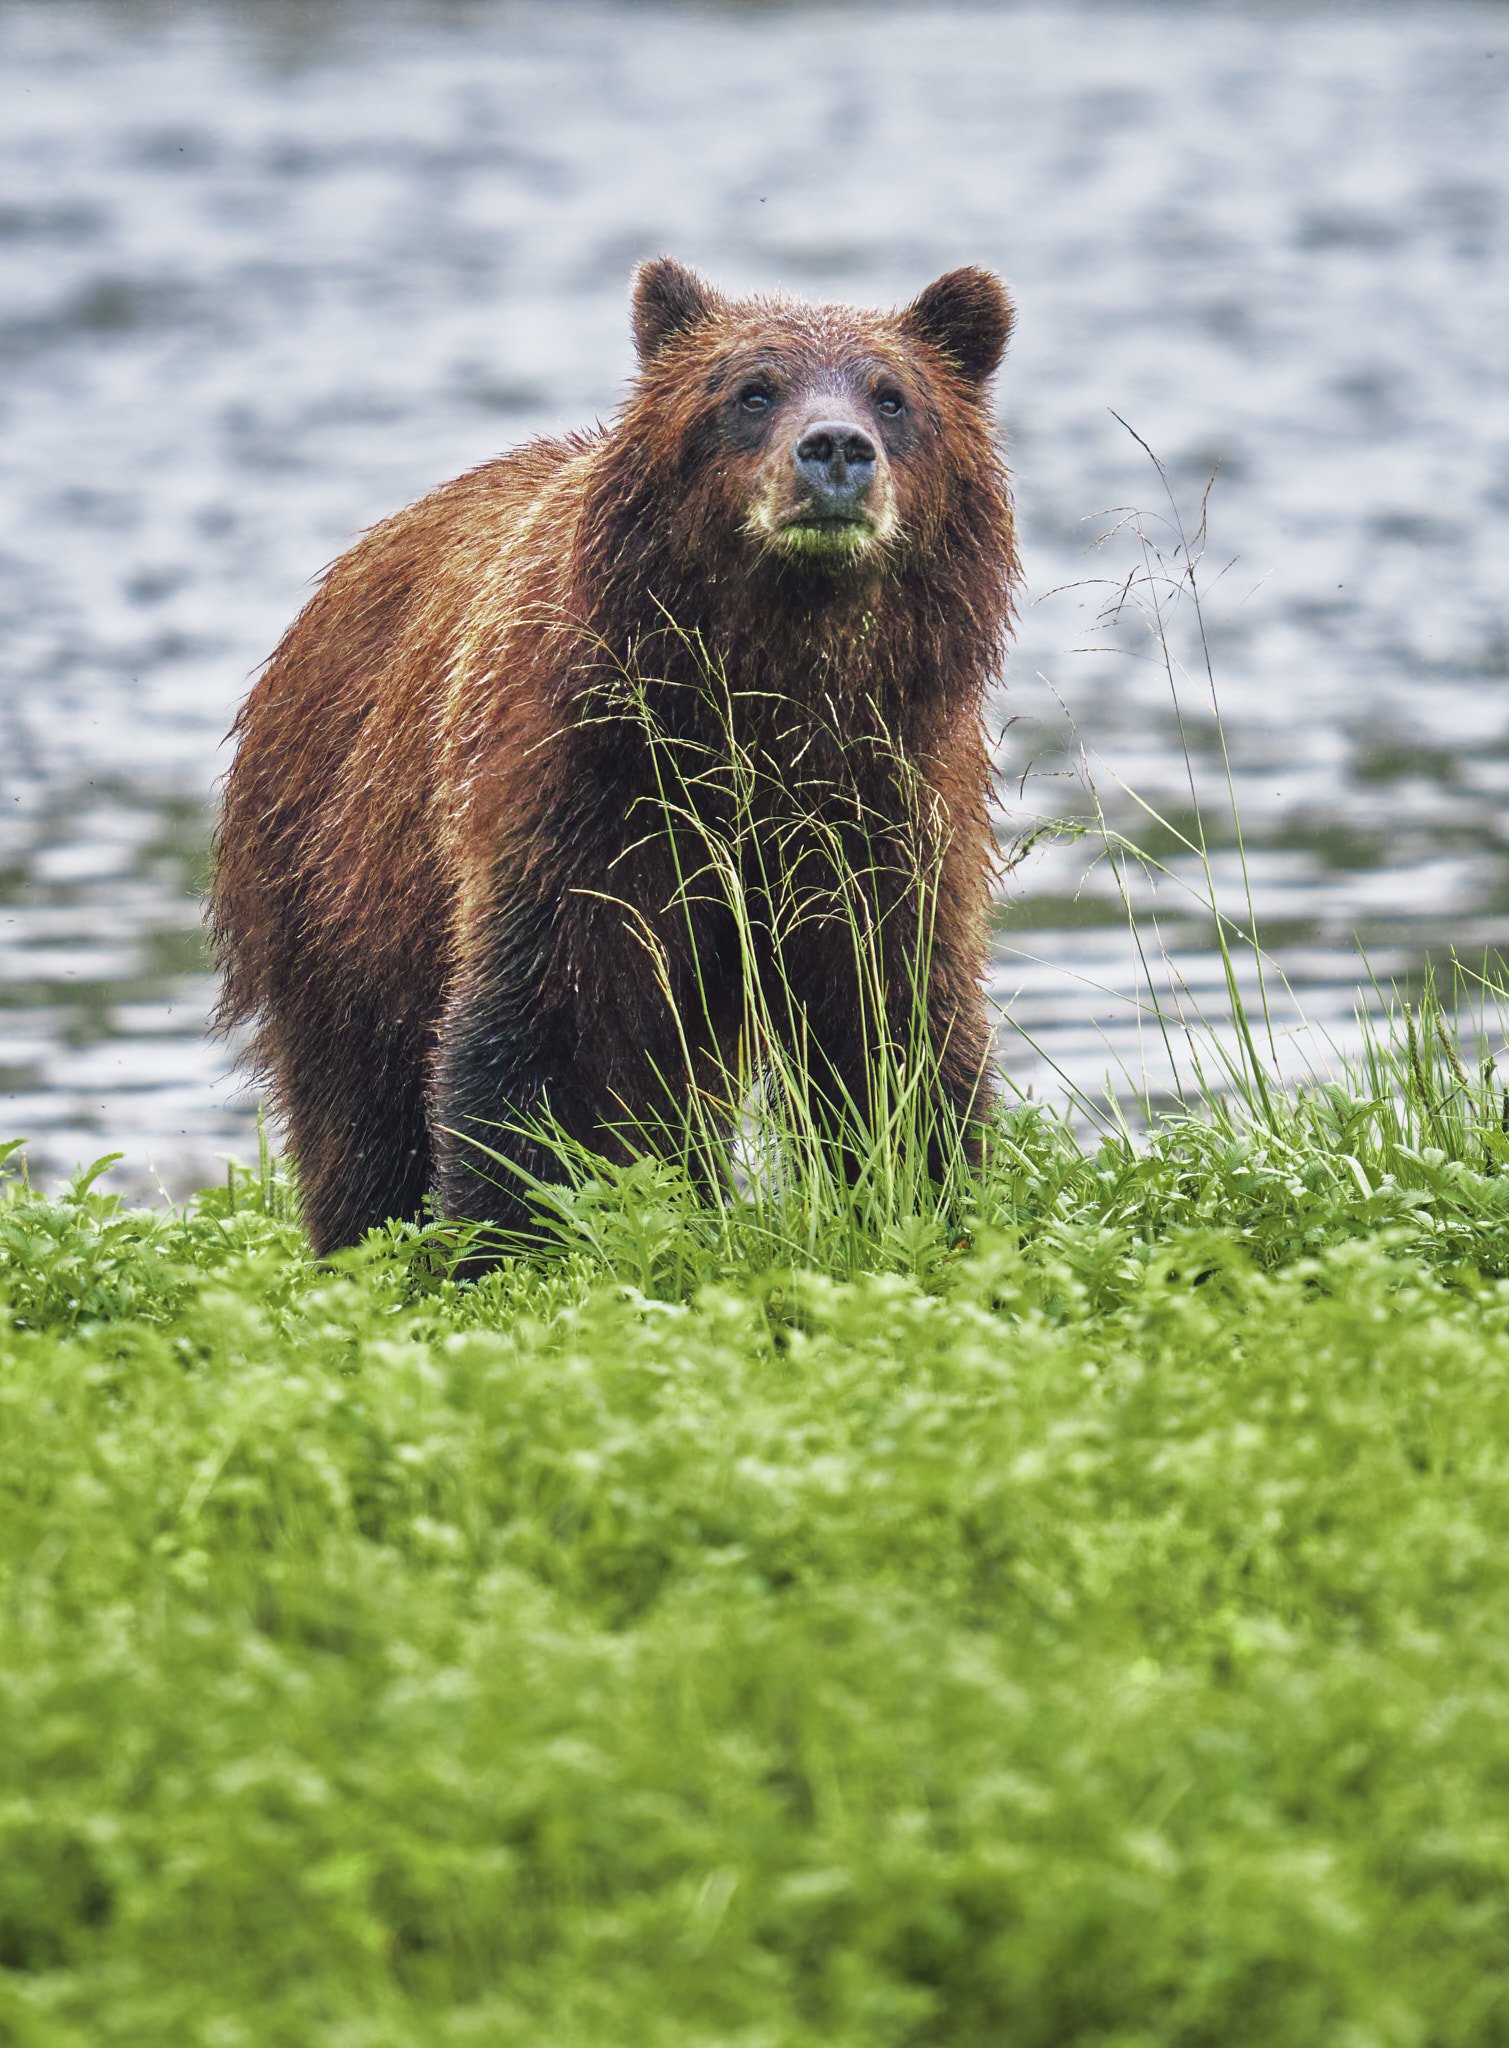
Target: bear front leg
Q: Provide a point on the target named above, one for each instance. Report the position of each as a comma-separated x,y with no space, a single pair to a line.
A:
856,1062
861,1014
501,1066
575,1019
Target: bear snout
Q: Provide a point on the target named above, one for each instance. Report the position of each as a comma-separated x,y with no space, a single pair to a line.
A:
835,463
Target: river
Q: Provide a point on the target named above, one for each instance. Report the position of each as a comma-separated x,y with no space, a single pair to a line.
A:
267,271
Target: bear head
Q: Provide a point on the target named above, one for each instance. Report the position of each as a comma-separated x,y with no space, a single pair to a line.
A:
828,442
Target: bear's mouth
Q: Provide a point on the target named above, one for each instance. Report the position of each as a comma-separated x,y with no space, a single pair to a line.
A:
812,533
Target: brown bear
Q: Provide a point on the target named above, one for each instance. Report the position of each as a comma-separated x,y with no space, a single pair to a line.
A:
441,895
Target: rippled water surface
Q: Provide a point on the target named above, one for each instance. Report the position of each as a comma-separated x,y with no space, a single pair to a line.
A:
268,271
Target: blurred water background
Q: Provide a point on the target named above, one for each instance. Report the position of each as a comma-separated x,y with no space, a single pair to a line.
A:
268,270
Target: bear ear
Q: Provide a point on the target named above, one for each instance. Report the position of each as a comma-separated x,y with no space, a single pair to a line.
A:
969,316
668,299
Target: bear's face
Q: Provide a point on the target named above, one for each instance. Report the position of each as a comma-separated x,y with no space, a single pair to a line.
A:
829,440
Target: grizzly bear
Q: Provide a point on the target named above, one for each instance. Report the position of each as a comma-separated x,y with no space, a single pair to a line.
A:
451,890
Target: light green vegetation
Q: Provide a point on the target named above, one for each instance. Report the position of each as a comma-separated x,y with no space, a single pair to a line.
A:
1082,1620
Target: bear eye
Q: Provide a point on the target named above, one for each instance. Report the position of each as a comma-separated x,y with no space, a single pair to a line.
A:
755,398
891,404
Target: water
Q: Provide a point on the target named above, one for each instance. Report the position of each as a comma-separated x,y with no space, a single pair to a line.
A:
268,270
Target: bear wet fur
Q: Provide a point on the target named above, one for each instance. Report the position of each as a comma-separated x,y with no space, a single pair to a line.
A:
436,898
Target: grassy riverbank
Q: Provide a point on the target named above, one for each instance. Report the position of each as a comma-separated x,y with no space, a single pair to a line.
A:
1088,1626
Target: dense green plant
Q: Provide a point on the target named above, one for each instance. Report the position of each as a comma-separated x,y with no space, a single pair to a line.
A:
1090,1633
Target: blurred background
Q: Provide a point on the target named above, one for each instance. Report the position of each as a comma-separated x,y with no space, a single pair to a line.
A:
270,269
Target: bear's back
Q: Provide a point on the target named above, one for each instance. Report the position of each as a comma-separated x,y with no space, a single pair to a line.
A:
331,810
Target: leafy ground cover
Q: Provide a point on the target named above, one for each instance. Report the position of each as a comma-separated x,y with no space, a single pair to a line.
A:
1082,1622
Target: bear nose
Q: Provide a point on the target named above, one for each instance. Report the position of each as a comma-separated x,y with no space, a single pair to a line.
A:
836,461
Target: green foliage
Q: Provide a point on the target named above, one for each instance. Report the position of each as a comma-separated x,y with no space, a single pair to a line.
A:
1082,1630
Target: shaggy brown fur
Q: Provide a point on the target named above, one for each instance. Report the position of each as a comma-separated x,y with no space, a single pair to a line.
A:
435,826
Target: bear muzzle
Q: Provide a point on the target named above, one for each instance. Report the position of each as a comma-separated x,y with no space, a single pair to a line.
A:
838,495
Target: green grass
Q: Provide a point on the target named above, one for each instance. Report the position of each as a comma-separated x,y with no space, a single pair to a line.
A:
1084,1626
